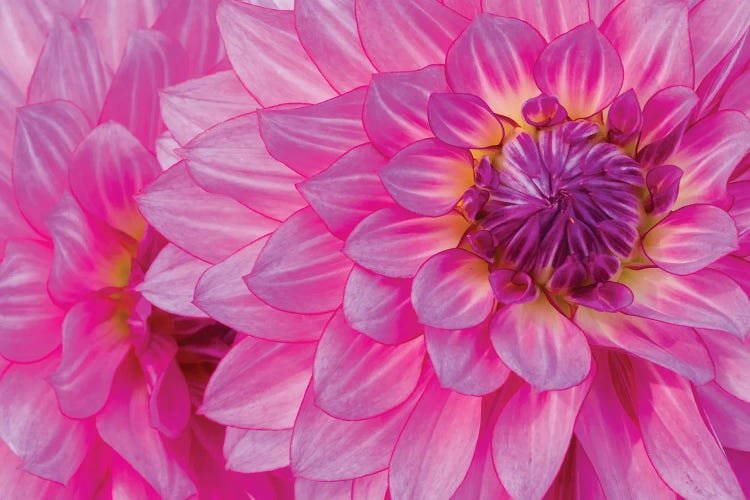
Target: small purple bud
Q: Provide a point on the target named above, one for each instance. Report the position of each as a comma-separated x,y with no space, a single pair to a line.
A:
483,244
625,118
543,111
569,275
474,200
609,296
663,184
513,287
486,176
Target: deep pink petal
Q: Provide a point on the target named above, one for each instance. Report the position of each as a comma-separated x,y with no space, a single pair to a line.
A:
262,45
18,483
170,402
394,242
380,307
349,190
222,294
463,120
259,384
581,69
452,290
310,139
665,112
541,345
494,59
429,177
211,227
729,416
301,269
442,420
252,450
662,59
600,9
551,18
715,27
419,32
737,96
730,356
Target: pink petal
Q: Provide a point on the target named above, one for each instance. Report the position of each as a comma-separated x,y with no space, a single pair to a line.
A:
419,33
170,403
464,120
708,153
665,112
51,445
70,68
11,220
494,59
231,159
349,190
465,360
166,148
681,447
551,18
310,139
380,307
109,167
662,59
532,435
452,290
442,420
600,9
729,416
301,269
328,32
730,356
737,96
715,27
395,112
46,136
31,325
18,483
11,98
259,384
170,282
429,177
222,294
372,487
394,242
262,45
541,345
304,489
250,450
346,386
581,69
325,448
706,299
740,462
212,227
191,107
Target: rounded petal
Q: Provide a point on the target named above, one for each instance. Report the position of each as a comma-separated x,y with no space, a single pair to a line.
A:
464,121
715,27
665,111
253,450
551,17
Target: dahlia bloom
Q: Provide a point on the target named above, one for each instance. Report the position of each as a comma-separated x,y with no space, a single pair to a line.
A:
507,249
101,366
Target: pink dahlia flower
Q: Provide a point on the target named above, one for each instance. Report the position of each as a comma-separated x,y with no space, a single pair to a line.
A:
102,365
501,254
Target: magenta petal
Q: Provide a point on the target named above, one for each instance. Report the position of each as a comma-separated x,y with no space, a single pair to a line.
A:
464,121
665,112
513,287
710,44
452,290
494,59
663,184
347,388
541,345
259,384
730,356
581,69
551,18
729,416
737,96
256,450
624,119
169,403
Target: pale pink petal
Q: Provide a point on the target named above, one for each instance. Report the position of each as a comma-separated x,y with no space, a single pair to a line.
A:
31,323
166,148
222,294
551,18
532,435
259,384
51,445
169,403
737,96
465,360
251,450
729,416
463,120
71,68
170,282
581,69
262,45
14,225
109,167
11,98
662,59
681,447
740,212
494,59
691,238
419,32
301,269
380,307
708,153
310,139
394,242
452,290
706,299
429,177
345,384
304,489
18,483
600,9
46,136
731,357
349,190
191,107
328,31
541,345
665,112
211,227
372,487
715,27
442,420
